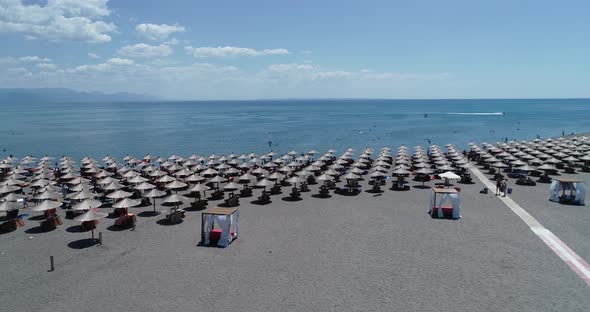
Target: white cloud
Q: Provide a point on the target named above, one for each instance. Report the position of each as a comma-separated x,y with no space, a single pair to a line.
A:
107,66
168,77
47,66
94,55
120,61
58,20
231,51
289,67
338,74
172,41
306,52
23,59
145,50
156,32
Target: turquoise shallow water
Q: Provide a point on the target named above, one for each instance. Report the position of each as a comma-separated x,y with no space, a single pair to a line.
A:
184,128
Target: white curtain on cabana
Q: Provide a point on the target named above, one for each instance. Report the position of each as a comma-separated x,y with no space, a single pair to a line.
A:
235,223
227,224
209,219
578,190
580,193
453,199
224,224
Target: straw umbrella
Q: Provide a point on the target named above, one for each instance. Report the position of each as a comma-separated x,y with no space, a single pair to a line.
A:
174,199
12,197
119,194
82,195
246,178
8,189
127,203
90,216
176,185
9,206
144,186
264,183
218,180
232,187
194,178
153,194
87,204
46,205
295,180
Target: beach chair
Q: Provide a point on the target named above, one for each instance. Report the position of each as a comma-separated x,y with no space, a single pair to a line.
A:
545,179
218,194
304,187
88,225
376,188
295,193
127,220
51,223
264,198
8,226
12,214
246,192
276,189
232,201
175,216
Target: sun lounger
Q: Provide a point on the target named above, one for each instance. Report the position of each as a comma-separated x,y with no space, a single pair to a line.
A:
175,216
232,201
276,189
264,198
295,193
126,220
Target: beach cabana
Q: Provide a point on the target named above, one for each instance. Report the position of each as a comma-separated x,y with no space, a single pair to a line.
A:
445,203
219,226
568,191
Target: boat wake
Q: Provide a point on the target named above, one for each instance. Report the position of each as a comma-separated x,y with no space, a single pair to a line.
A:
480,114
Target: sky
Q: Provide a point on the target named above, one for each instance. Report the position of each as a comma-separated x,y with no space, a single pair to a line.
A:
202,50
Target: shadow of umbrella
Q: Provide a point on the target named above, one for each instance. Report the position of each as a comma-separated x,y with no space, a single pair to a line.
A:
83,243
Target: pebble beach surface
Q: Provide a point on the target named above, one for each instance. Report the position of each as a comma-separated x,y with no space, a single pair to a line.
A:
345,253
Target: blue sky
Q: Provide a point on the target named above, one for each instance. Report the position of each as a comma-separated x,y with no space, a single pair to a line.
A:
299,49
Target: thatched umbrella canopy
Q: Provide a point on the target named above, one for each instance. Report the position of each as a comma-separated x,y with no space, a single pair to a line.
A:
175,200
197,189
87,204
176,185
118,194
9,189
82,195
144,186
153,194
91,215
9,206
194,178
218,180
295,180
46,205
264,183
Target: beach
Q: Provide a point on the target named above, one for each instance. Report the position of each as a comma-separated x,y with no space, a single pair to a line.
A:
369,252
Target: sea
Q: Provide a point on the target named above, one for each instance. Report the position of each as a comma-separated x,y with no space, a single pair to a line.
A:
260,126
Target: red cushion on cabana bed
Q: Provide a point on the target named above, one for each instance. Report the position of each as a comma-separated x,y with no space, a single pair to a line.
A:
445,209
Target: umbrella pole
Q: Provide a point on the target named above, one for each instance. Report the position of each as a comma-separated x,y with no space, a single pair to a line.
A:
92,230
154,204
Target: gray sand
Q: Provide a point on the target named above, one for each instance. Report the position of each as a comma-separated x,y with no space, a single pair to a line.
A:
362,253
570,223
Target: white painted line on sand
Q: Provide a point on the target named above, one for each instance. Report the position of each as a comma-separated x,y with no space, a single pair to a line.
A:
575,262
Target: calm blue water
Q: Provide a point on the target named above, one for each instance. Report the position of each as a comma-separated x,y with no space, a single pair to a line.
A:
185,128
